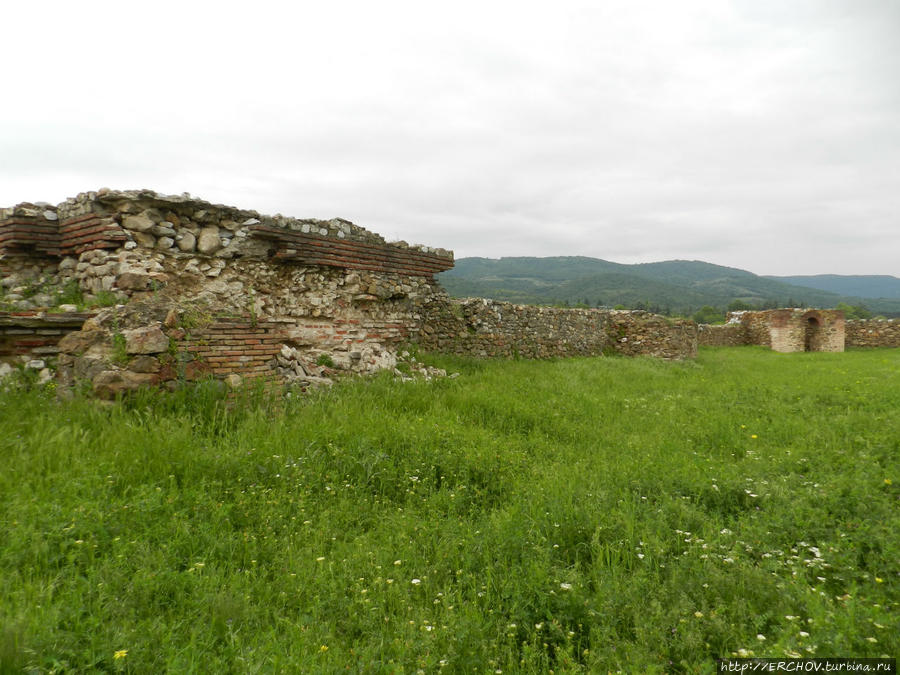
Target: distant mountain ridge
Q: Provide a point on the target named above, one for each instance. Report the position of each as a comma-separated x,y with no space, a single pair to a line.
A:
672,286
863,286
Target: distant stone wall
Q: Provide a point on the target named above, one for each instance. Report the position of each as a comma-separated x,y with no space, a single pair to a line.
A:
488,328
783,330
642,333
728,335
873,333
815,330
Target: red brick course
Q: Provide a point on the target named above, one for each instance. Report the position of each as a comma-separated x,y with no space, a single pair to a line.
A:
35,234
35,334
315,249
228,346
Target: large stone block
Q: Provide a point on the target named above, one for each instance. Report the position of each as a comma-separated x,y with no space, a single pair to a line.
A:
139,223
186,242
146,340
108,384
80,342
209,241
134,281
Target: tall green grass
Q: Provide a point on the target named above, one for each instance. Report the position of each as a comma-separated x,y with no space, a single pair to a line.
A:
581,515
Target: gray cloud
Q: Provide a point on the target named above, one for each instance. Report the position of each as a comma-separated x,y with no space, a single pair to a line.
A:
756,134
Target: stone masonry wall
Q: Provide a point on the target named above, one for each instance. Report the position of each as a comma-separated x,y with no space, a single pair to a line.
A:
642,333
178,267
873,333
783,330
196,289
727,335
98,238
487,328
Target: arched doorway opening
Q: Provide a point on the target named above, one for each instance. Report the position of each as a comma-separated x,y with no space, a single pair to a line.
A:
811,337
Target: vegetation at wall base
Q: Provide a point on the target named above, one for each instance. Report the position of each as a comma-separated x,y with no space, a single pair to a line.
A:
579,515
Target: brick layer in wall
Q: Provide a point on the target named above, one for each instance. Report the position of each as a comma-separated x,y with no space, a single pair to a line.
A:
29,234
89,232
36,235
224,347
312,249
35,335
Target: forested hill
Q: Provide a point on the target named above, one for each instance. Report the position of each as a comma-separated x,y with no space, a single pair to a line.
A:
673,286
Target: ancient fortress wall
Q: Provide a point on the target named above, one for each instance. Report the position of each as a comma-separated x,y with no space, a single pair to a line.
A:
783,330
727,335
194,289
639,333
202,289
857,333
873,333
210,289
487,328
482,327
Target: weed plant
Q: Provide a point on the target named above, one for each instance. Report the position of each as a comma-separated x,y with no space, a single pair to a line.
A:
580,515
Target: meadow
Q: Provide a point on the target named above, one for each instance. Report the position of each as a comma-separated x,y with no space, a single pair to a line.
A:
577,515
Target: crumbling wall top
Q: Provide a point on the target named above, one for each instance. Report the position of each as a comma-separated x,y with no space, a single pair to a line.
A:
120,203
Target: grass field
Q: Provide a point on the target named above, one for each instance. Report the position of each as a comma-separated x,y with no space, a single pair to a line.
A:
582,515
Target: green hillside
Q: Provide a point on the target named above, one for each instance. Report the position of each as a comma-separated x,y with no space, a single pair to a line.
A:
673,286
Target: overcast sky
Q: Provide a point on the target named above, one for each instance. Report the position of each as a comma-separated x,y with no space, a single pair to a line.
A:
760,134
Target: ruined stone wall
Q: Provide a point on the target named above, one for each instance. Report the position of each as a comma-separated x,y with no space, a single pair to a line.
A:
645,334
756,325
179,267
487,328
726,335
873,333
797,330
783,330
183,288
97,237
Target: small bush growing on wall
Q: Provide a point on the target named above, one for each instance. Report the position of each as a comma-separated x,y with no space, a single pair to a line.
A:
103,299
70,294
119,353
195,317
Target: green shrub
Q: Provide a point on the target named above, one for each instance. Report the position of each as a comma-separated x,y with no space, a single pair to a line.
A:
70,294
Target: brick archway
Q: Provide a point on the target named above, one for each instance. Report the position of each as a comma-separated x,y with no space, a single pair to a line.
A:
812,338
